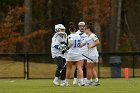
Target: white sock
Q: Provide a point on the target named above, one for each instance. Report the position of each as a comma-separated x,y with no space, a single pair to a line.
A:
88,81
82,81
85,78
63,80
91,80
96,79
55,78
75,79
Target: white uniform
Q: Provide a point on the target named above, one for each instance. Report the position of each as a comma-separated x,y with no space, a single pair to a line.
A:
84,49
92,52
55,48
74,52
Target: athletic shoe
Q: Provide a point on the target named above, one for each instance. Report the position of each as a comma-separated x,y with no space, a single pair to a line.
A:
96,83
80,83
64,83
85,80
55,82
88,83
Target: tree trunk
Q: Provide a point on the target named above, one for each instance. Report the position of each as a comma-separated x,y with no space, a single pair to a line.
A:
27,21
50,12
97,22
115,25
113,22
118,24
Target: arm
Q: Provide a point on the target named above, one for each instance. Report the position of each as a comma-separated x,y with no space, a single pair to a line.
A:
82,44
97,42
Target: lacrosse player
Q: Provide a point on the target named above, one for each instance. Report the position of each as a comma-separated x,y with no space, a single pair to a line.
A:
92,42
84,50
57,46
74,55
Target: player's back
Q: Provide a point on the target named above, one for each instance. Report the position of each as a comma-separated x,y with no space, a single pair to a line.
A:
75,40
74,52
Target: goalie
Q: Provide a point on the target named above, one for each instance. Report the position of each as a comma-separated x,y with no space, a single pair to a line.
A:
57,47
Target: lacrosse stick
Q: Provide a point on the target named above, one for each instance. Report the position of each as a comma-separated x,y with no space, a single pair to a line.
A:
63,67
87,57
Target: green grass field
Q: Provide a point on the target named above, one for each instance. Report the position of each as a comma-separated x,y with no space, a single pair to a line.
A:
46,86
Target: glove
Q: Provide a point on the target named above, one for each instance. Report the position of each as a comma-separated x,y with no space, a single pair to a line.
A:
63,43
65,50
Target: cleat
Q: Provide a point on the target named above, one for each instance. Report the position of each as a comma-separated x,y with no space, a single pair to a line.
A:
96,83
55,82
81,84
64,83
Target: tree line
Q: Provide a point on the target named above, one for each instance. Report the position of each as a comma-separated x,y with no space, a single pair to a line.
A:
28,25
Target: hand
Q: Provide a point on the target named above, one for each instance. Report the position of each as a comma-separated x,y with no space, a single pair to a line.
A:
82,44
90,46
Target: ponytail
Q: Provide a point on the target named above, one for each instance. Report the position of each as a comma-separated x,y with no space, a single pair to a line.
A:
72,27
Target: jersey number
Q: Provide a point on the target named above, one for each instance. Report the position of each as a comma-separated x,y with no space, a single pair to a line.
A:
76,43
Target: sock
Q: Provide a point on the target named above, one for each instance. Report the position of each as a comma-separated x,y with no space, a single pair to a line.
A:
75,79
82,81
88,81
85,80
63,80
55,78
91,80
96,79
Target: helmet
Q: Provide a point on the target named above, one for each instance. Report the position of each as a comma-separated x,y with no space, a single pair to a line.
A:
58,27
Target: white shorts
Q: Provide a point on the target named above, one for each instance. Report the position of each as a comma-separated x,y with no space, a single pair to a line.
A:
94,58
73,57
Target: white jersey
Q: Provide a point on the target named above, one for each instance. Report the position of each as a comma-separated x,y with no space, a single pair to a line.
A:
90,40
84,49
56,52
74,52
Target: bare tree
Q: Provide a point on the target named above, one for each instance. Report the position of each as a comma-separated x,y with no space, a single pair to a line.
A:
115,25
50,11
27,20
118,24
97,22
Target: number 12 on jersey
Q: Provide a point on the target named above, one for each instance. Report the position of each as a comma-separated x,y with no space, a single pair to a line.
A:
76,43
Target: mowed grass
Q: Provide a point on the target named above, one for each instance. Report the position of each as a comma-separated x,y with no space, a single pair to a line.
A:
46,86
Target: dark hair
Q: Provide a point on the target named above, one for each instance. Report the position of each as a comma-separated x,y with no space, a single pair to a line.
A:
72,27
90,26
